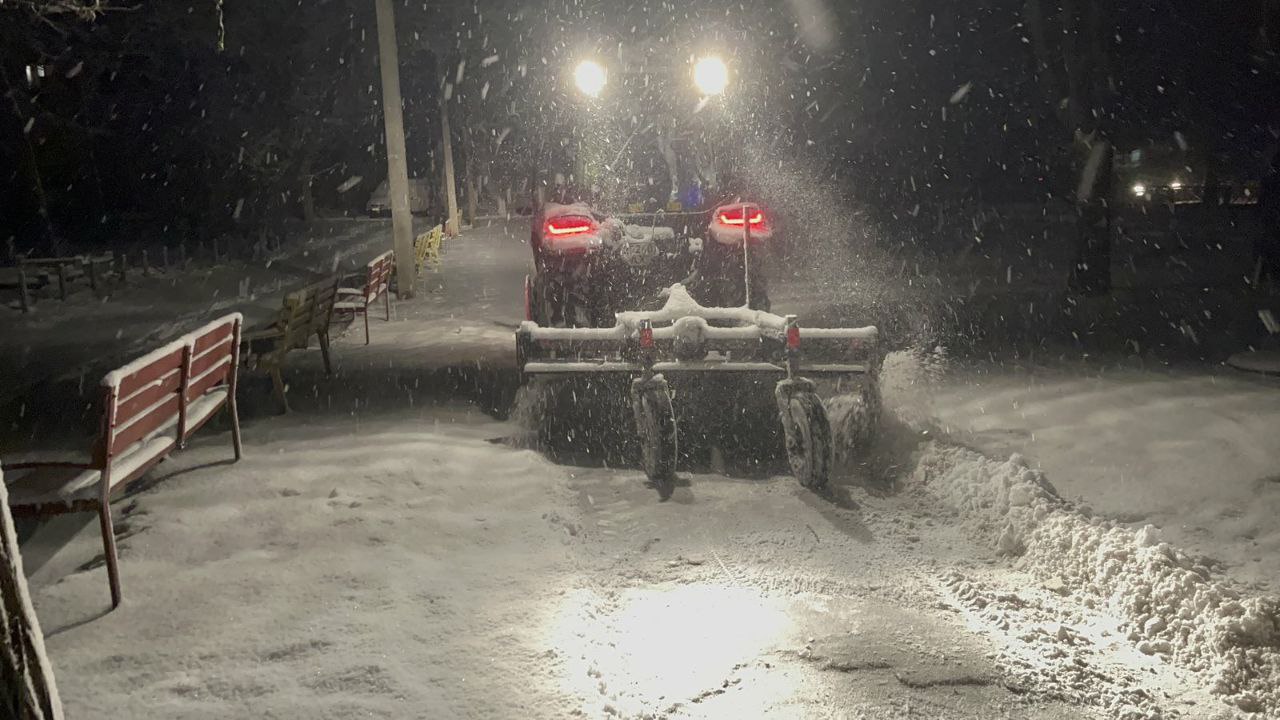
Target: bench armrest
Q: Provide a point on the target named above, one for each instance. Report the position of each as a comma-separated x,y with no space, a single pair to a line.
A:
260,334
350,291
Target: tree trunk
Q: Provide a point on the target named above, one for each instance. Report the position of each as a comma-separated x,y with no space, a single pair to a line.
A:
29,689
30,165
1091,273
471,191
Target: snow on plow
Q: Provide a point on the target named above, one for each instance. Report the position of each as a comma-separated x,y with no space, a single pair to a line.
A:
684,337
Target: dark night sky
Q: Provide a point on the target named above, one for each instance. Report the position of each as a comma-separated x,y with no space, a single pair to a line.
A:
159,121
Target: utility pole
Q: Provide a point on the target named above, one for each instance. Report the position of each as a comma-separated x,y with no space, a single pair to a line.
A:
451,225
397,165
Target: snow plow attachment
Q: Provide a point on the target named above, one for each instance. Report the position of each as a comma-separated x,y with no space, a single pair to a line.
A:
684,338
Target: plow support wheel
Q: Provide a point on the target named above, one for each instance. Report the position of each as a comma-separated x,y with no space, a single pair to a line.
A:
655,428
808,432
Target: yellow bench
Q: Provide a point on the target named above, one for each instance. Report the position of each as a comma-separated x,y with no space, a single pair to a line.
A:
426,249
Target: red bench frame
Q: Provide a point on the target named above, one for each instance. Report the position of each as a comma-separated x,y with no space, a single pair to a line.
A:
145,417
377,282
213,367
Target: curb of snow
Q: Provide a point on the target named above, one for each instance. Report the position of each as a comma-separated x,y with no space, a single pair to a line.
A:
1171,604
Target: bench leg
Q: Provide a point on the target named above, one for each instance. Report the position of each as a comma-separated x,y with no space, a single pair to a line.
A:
235,423
109,550
366,325
387,294
24,293
324,348
277,383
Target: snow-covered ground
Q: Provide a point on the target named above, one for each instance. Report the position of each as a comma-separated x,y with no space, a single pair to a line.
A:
407,567
387,551
1193,451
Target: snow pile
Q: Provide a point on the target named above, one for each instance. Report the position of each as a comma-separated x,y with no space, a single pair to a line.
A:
1173,606
1170,603
1069,659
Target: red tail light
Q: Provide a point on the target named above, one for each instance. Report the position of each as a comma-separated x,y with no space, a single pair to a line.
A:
568,225
646,336
793,337
734,217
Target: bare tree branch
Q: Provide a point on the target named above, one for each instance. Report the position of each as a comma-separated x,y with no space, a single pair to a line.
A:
87,10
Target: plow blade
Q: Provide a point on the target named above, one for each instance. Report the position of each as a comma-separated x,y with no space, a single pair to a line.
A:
566,367
685,340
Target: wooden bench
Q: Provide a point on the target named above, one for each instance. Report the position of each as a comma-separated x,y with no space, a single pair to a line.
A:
306,312
377,282
426,249
150,407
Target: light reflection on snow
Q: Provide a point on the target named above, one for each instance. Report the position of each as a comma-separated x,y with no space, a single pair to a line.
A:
645,650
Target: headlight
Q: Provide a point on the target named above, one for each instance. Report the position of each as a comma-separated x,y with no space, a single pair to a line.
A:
711,75
590,77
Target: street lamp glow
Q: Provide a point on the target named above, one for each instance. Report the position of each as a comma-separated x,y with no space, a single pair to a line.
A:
590,77
711,75
1139,189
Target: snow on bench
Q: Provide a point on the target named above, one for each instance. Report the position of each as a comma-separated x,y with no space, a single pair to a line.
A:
150,407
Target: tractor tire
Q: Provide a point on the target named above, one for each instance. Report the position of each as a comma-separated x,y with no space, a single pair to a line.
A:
536,299
528,297
656,429
808,432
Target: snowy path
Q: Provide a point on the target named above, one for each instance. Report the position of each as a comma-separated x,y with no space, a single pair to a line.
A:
409,568
376,554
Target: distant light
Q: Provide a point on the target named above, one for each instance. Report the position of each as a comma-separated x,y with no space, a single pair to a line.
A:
590,77
1175,185
711,75
1139,189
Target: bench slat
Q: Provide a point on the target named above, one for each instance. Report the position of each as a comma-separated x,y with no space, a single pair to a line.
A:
199,384
153,370
131,407
161,414
202,362
216,336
